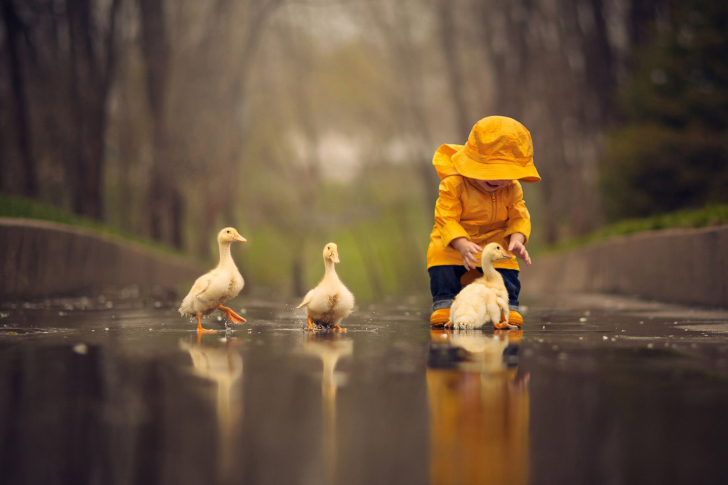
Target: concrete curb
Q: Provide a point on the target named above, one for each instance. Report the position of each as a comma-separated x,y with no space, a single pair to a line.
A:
677,266
41,259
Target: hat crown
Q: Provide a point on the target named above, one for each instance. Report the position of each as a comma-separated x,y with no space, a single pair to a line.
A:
500,137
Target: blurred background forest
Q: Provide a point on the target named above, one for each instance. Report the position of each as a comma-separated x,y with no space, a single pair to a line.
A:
306,121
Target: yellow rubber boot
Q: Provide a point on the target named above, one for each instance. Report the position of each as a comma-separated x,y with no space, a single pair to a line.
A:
440,317
515,320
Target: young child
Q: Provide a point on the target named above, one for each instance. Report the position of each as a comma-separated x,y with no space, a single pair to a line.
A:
481,201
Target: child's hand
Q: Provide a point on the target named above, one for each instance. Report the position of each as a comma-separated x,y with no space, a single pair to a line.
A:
468,250
516,247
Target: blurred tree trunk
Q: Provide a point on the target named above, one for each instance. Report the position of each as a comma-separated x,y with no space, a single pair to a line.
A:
93,58
165,202
14,29
309,173
448,41
233,76
641,16
406,65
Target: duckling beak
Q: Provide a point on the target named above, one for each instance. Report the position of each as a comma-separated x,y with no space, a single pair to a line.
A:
335,258
507,255
239,238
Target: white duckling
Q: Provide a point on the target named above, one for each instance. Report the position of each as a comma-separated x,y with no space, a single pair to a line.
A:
330,301
211,290
483,300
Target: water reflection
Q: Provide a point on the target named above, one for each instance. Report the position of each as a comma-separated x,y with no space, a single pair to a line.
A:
330,347
479,408
220,362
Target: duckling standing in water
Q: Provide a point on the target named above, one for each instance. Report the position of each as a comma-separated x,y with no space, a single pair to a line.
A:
331,301
211,290
483,300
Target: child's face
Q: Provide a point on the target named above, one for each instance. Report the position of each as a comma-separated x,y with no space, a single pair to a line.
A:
492,185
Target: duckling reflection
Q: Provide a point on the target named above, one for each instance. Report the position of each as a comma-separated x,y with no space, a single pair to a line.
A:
223,365
329,347
479,408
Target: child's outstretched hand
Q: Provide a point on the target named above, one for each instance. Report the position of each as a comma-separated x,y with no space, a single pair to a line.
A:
468,250
516,247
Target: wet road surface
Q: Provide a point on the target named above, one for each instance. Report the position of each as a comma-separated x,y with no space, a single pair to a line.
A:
593,390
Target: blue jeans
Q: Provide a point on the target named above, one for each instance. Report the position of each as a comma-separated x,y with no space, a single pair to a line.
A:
445,285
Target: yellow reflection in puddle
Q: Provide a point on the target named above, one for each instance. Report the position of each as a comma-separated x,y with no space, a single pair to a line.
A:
222,364
479,409
329,347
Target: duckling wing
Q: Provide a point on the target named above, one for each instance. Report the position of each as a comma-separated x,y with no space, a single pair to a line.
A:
306,299
200,287
194,301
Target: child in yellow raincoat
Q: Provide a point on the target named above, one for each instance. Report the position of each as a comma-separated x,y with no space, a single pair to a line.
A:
481,201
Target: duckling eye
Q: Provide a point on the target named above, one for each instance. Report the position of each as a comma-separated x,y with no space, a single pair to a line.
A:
228,232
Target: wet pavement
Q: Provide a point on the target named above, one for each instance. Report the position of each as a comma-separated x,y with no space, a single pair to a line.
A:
593,390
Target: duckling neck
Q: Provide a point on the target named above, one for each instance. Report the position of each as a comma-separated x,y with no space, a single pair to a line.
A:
489,271
225,257
330,269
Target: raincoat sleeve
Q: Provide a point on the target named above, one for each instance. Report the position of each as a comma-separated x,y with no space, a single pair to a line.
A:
519,220
448,210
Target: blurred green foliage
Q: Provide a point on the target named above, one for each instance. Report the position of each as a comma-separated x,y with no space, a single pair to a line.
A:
379,223
712,215
671,152
21,207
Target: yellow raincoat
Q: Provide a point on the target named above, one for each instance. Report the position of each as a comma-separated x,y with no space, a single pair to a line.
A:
498,148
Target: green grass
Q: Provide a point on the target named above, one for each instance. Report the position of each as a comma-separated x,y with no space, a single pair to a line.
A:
713,215
20,207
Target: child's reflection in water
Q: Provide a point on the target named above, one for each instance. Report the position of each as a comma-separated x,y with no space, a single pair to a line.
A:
479,408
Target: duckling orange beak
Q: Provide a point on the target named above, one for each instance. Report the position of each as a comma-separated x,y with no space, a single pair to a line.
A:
507,255
239,238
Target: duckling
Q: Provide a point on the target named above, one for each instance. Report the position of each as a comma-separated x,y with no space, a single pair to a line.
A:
485,298
331,301
211,290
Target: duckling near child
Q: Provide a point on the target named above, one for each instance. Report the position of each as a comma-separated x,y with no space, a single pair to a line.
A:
483,300
330,301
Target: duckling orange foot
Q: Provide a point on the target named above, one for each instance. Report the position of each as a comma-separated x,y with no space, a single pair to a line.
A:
232,316
200,328
336,328
504,326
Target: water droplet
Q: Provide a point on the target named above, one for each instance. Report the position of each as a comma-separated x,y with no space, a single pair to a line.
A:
80,349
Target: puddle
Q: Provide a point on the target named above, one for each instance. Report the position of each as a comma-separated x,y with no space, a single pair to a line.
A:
584,394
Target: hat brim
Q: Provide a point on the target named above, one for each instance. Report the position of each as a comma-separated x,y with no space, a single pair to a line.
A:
494,169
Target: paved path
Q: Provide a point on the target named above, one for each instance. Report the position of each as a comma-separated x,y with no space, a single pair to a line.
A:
596,389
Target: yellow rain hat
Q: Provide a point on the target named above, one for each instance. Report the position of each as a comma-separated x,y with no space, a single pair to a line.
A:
498,148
